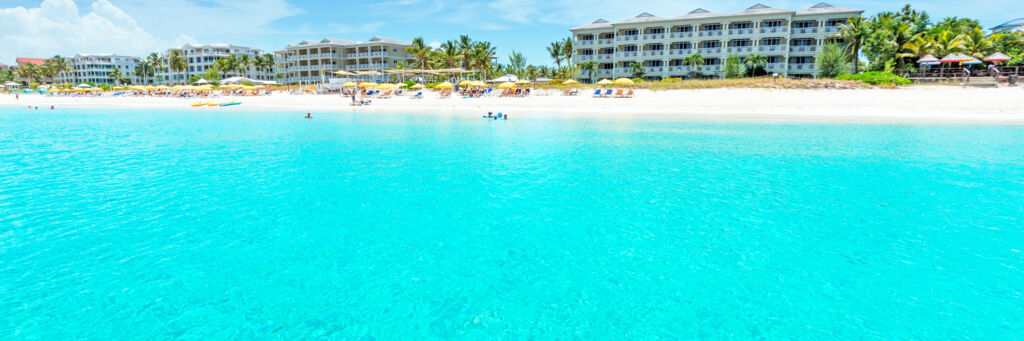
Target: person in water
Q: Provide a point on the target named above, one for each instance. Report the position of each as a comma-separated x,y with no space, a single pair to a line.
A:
309,115
51,107
506,117
490,114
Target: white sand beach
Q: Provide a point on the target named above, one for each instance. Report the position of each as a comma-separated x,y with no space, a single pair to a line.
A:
925,104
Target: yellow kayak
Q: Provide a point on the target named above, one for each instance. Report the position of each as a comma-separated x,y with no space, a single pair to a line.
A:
213,104
200,104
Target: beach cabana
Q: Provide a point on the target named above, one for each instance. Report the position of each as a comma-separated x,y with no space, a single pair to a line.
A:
11,86
997,57
83,86
928,60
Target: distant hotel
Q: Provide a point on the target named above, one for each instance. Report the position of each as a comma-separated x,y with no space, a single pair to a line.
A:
790,41
314,62
1015,25
96,68
202,57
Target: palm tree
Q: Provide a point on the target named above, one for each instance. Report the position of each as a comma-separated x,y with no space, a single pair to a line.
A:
590,67
977,44
57,66
853,33
141,70
155,64
30,72
466,50
116,75
226,65
450,52
556,50
917,47
244,63
567,50
420,51
483,56
8,76
755,63
637,69
947,42
176,61
694,61
517,63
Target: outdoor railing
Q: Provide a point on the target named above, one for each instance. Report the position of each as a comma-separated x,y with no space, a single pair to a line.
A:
654,36
654,53
805,48
773,29
681,34
736,31
805,30
679,52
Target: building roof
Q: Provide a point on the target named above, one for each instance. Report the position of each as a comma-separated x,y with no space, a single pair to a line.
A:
332,41
36,61
823,8
386,40
599,23
3,65
699,13
761,9
1012,24
642,17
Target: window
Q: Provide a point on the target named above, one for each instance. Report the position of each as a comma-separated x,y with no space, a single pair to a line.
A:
656,47
773,23
656,31
803,42
803,24
800,60
739,43
712,27
630,32
742,25
681,46
710,44
682,29
771,41
712,61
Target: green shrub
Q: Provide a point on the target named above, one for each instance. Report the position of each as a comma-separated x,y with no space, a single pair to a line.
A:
247,83
431,85
638,80
671,80
876,78
409,83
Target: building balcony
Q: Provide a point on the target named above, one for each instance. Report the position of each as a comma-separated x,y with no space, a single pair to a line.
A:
627,38
775,67
771,48
709,50
802,66
807,48
741,49
710,33
604,72
626,54
711,68
738,31
654,36
654,69
774,29
805,30
681,35
605,41
605,56
680,52
832,29
653,53
677,68
585,42
583,57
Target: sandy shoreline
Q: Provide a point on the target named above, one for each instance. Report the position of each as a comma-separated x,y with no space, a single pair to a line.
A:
937,104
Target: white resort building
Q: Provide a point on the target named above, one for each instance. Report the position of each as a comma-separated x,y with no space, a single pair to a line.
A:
201,57
314,62
789,40
96,68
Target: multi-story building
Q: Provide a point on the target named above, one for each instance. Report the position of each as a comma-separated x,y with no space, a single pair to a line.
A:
201,57
789,40
4,67
96,68
1015,25
314,62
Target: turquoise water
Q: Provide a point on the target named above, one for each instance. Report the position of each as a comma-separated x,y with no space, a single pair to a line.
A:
230,225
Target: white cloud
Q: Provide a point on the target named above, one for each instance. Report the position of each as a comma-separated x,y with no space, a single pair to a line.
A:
56,27
435,44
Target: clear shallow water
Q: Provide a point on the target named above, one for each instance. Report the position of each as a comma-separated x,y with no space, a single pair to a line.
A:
229,225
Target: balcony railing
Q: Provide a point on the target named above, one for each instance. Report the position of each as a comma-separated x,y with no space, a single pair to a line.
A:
681,34
627,37
801,66
741,49
678,68
653,69
625,54
737,31
770,48
832,29
709,50
711,68
805,30
773,29
654,36
584,57
806,48
654,53
605,41
585,42
605,56
679,52
604,71
775,66
710,33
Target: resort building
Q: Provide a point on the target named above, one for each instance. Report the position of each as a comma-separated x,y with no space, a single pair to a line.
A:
96,68
314,62
202,57
4,67
1015,25
789,40
22,61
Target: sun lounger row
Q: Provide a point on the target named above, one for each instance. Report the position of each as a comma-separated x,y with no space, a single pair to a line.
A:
608,94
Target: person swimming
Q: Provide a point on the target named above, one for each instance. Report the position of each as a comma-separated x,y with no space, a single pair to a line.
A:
490,114
309,115
498,117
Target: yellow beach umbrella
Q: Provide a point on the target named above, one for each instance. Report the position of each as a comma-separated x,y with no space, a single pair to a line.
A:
368,85
478,83
465,82
523,81
204,88
605,82
624,81
118,88
386,86
416,86
349,85
506,85
445,85
570,82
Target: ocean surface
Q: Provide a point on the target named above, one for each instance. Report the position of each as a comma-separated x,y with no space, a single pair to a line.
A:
210,225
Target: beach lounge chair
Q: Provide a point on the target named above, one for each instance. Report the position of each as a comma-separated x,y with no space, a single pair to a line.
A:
419,95
608,93
618,94
597,93
629,94
566,92
445,93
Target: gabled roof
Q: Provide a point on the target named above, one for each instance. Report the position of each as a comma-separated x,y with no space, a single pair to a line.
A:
823,8
642,17
379,39
337,41
1015,23
36,61
698,14
599,23
3,65
761,9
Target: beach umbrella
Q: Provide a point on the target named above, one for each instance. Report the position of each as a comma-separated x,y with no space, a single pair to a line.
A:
478,83
506,85
83,86
465,83
971,61
523,81
624,82
416,86
386,86
349,85
368,85
445,85
570,82
928,60
997,57
204,88
202,81
604,82
952,58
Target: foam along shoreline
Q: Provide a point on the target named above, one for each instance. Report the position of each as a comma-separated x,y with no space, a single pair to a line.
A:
924,104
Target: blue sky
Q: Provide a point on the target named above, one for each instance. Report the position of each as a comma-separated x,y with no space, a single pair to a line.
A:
45,28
